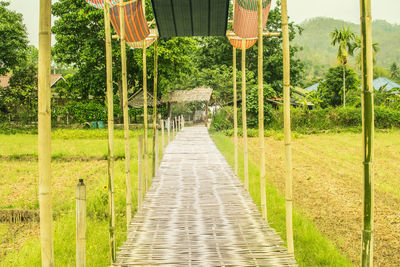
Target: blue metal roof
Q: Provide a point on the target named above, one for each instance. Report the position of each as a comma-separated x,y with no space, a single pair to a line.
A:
312,87
383,82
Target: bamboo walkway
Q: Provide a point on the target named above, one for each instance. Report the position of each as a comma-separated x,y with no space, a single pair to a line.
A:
197,213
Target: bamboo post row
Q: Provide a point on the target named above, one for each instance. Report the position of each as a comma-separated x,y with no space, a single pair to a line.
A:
235,118
44,135
244,117
140,171
154,166
110,115
80,224
287,129
368,132
126,117
261,110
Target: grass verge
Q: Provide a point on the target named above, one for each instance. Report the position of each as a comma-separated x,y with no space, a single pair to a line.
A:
311,247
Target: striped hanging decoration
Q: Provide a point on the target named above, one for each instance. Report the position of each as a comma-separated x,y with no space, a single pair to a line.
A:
136,28
100,3
236,41
245,19
149,40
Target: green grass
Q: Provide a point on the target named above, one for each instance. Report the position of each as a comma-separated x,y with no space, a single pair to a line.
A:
311,247
19,190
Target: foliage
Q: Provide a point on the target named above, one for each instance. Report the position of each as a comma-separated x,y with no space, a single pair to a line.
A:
331,88
338,117
317,50
13,38
395,72
252,105
222,119
82,111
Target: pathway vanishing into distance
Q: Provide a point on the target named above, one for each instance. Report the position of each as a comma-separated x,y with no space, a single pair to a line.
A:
197,213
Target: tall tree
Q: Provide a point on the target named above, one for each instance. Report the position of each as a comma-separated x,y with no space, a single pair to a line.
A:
345,39
13,38
357,46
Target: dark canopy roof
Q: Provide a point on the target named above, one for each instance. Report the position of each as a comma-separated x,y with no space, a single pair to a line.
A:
191,17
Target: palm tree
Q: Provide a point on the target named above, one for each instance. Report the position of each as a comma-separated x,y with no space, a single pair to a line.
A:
357,46
345,38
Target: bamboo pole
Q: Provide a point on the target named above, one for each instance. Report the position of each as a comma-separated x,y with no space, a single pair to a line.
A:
140,172
368,133
44,134
162,137
261,110
126,118
169,130
244,117
207,114
287,129
156,151
154,108
110,108
235,118
80,224
145,141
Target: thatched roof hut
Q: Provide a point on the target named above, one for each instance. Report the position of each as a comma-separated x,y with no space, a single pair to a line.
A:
136,100
201,94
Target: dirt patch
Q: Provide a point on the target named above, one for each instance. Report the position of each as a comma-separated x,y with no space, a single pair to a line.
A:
327,172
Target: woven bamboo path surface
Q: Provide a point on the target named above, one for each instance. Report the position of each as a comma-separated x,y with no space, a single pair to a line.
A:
197,213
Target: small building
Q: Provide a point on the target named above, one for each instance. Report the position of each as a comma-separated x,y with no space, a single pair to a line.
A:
136,100
385,84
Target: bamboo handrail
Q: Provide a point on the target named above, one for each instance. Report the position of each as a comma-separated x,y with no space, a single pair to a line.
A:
155,109
44,135
145,141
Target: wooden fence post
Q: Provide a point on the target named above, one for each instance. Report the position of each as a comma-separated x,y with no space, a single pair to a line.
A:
110,114
140,172
287,130
244,116
44,135
80,224
156,152
235,119
162,137
367,103
261,110
126,118
169,130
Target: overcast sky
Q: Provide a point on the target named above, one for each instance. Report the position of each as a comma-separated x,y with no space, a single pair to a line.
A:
299,10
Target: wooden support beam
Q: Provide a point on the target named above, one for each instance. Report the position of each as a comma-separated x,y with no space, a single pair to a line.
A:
235,118
244,117
368,134
44,135
80,224
140,172
110,115
154,166
126,119
261,110
287,128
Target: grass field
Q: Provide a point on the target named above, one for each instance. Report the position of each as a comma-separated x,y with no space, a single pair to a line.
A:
76,154
327,170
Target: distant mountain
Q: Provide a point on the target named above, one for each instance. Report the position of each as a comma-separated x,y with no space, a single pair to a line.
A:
319,54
